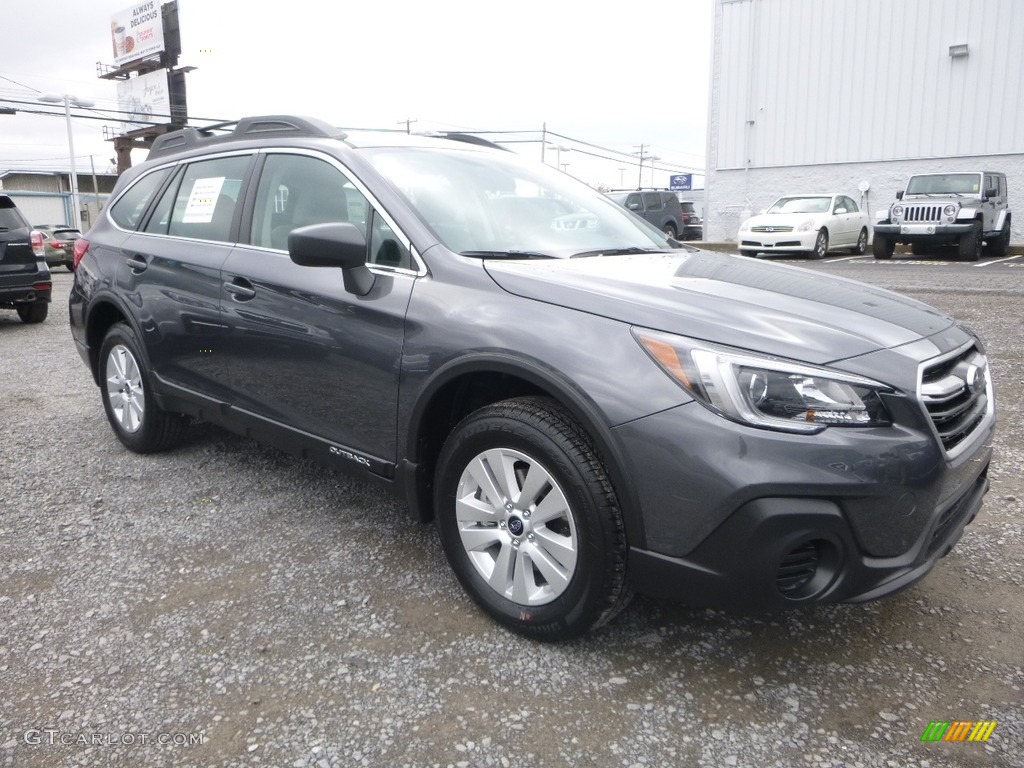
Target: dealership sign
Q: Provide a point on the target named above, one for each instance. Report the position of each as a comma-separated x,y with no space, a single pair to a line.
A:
145,98
137,32
681,181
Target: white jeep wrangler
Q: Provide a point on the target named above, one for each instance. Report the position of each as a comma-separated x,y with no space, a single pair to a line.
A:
937,209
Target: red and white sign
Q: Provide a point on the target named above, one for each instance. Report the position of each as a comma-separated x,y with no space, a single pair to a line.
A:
137,32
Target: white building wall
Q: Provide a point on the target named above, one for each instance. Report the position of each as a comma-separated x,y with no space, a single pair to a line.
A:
819,95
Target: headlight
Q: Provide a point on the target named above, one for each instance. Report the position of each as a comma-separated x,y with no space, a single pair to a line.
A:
764,391
745,226
949,210
897,211
806,226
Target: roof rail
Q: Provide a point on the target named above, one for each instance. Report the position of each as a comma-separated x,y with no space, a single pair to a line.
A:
246,127
469,138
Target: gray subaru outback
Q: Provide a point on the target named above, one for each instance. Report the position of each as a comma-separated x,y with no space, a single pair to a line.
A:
584,411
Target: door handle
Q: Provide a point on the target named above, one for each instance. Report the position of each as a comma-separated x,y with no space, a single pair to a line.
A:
137,263
240,290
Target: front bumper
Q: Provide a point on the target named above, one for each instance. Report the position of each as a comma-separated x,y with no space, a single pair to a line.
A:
777,241
749,519
910,232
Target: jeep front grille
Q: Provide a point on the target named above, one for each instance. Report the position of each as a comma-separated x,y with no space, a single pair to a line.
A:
955,392
923,214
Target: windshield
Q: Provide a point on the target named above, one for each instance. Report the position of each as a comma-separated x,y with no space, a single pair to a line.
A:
801,205
491,204
945,184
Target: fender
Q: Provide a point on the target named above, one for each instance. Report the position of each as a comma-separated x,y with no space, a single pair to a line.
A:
1004,216
95,302
550,381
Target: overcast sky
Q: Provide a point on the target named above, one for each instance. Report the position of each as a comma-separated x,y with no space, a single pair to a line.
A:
612,75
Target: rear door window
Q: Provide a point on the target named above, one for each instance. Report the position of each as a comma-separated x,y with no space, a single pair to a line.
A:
127,212
204,207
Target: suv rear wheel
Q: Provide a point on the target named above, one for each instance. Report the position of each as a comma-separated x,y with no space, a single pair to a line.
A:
999,246
35,312
127,394
670,230
529,521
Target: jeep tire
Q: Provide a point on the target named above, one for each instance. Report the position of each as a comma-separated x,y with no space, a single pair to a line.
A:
882,247
970,243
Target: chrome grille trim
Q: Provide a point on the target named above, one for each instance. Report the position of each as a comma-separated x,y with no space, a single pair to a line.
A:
925,214
766,228
956,393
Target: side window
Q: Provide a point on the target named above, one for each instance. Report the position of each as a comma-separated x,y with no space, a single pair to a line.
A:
652,201
128,210
160,219
297,190
386,249
207,196
851,206
633,203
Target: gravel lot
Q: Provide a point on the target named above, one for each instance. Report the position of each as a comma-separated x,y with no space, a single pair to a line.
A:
226,604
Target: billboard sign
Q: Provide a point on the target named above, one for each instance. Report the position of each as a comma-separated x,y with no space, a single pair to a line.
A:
145,98
681,181
137,32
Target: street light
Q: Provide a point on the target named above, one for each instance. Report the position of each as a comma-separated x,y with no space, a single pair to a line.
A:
559,149
652,158
68,99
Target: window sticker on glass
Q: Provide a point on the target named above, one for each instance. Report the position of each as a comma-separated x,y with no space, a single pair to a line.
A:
202,200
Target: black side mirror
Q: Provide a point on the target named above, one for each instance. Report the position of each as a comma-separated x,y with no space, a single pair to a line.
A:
899,195
333,245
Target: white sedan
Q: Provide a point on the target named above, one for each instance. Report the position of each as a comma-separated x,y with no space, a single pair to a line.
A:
815,224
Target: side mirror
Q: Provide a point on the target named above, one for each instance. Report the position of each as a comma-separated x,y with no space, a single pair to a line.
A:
899,195
634,206
333,245
990,193
840,211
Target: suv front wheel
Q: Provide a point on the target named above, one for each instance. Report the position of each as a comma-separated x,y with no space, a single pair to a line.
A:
970,243
529,521
127,393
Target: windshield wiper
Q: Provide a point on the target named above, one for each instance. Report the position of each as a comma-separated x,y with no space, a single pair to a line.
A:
507,255
616,252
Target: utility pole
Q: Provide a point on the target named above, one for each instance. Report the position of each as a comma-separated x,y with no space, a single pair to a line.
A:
622,178
640,175
408,123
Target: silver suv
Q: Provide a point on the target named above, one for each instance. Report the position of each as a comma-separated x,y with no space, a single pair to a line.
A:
962,209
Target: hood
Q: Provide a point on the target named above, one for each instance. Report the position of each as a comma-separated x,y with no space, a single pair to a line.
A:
781,219
741,302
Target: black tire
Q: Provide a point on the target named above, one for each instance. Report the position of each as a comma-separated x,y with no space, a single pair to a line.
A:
670,231
820,249
574,568
862,243
999,246
748,252
920,249
139,423
70,266
882,247
35,312
970,243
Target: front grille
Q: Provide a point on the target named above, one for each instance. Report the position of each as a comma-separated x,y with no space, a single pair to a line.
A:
922,214
771,229
797,568
956,394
